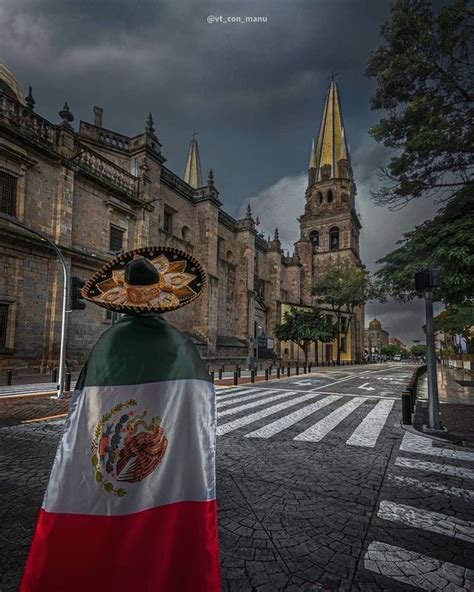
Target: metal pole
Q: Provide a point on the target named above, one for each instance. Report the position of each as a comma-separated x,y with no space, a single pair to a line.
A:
433,400
62,350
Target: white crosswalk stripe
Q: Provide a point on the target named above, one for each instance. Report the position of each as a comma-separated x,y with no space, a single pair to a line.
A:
257,403
316,432
367,433
427,520
241,399
279,425
419,571
423,445
423,465
236,392
432,487
253,417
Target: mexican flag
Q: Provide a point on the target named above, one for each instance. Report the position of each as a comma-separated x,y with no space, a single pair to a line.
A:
131,500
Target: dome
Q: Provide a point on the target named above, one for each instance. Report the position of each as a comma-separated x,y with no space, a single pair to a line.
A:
9,85
375,325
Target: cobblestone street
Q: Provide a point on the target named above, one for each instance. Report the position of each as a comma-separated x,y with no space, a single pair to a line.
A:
319,488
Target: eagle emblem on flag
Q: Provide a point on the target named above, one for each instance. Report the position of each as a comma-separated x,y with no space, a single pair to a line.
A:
126,447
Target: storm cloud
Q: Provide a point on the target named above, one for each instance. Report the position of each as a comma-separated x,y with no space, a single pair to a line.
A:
253,91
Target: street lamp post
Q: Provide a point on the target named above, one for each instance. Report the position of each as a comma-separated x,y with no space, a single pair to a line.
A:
426,280
62,349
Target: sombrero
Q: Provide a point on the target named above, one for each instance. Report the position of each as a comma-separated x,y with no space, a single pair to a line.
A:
147,279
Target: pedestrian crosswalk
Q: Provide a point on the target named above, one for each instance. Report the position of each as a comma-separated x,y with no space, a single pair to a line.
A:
256,408
429,469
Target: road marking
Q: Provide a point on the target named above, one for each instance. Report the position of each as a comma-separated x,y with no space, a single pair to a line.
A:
302,382
236,392
420,571
390,397
427,520
277,426
316,432
365,387
243,421
341,380
423,465
431,486
257,403
368,431
247,397
421,445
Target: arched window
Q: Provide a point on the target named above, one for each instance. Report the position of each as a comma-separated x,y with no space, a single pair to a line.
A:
314,238
334,238
329,196
186,233
320,197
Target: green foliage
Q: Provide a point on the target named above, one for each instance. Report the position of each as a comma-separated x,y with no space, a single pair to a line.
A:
418,350
304,327
425,83
457,320
446,242
391,350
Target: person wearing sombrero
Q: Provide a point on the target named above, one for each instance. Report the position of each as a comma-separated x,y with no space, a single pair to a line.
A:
131,500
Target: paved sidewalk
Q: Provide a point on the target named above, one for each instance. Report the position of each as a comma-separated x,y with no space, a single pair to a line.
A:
457,402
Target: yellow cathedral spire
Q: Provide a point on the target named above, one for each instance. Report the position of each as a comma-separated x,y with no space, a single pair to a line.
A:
330,156
192,170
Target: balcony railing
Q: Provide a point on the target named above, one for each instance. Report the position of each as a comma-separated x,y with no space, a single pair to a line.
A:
96,164
25,121
176,183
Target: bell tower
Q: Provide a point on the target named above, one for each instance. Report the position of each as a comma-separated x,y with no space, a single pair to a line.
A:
329,227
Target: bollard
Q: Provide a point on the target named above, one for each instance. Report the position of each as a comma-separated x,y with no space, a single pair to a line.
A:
282,369
406,408
288,370
252,375
297,369
67,383
270,370
236,378
9,377
278,372
239,370
266,373
305,368
309,368
212,377
220,373
54,375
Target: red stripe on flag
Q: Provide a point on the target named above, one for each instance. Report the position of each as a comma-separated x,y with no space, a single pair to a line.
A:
172,548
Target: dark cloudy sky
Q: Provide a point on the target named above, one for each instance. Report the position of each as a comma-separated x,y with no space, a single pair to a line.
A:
253,91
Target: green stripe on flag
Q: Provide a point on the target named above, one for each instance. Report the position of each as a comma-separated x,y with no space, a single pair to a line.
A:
139,349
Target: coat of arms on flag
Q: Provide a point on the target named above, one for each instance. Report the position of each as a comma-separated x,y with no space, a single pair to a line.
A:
126,447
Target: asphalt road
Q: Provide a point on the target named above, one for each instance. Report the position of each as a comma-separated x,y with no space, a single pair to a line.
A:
319,488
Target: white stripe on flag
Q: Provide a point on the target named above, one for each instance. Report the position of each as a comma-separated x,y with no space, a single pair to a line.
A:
368,431
186,471
249,397
316,432
257,403
277,426
419,571
423,465
426,520
243,421
423,445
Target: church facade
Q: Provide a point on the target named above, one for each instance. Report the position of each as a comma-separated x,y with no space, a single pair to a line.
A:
95,192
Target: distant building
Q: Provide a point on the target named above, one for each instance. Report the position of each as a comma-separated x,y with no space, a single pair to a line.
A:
375,338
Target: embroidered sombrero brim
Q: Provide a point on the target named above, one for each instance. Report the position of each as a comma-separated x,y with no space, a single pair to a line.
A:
181,280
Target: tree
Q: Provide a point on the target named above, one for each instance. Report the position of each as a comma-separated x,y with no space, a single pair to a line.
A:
425,82
446,242
304,327
458,320
418,350
343,290
391,350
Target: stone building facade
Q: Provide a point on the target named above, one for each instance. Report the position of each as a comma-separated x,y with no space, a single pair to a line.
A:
375,337
95,191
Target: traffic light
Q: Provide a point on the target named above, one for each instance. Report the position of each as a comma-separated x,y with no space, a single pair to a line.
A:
427,279
77,303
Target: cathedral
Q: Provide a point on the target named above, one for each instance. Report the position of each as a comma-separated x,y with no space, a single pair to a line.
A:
96,192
